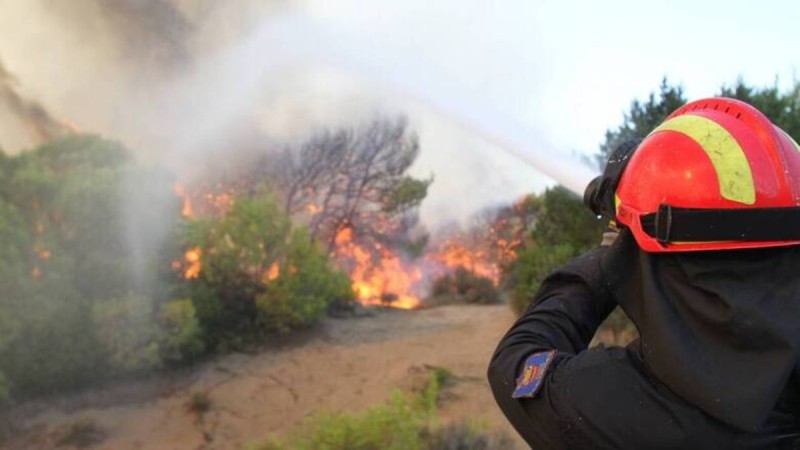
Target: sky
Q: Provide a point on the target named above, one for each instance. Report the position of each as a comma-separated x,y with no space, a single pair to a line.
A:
499,91
572,68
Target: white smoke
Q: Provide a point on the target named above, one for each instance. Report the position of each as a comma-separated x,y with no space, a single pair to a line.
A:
175,79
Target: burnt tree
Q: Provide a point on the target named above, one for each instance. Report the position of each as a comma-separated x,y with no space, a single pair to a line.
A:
354,179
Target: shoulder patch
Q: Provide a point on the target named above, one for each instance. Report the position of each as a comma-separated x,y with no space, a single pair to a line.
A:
533,372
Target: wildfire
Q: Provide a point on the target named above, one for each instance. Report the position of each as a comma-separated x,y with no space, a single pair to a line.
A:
272,273
387,281
452,255
70,126
197,202
379,275
180,191
193,263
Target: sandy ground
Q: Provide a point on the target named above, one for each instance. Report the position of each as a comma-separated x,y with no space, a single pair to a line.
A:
346,364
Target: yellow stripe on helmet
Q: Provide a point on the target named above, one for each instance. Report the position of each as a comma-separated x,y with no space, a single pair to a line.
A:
733,171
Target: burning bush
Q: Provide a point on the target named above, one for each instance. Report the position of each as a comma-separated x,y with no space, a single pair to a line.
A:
301,295
255,274
463,286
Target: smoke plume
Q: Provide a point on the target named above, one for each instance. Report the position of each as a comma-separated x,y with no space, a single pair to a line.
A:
178,80
30,114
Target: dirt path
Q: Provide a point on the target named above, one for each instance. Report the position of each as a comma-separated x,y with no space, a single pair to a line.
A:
349,364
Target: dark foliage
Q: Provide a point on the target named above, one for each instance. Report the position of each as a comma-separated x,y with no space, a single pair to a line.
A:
463,286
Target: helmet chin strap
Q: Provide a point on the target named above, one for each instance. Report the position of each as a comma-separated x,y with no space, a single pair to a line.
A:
674,224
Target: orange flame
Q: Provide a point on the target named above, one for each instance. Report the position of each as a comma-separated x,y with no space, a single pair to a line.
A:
70,126
453,255
180,191
273,272
387,281
193,263
378,275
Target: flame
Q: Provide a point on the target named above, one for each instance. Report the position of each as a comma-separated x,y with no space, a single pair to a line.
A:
452,255
272,273
70,126
201,202
180,191
379,275
385,281
219,203
193,263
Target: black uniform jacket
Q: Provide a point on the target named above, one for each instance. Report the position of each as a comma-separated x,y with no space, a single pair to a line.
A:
715,366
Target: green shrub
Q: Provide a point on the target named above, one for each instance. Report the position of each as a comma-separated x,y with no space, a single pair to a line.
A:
306,286
407,422
258,275
532,267
126,331
463,286
56,351
237,252
396,426
180,339
81,226
564,229
399,425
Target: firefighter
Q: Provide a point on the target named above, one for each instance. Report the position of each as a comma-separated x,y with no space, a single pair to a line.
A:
707,266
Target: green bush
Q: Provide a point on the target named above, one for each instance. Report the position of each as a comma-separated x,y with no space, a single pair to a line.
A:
127,333
57,350
463,286
399,425
237,251
258,274
531,268
307,284
565,228
81,230
180,339
406,423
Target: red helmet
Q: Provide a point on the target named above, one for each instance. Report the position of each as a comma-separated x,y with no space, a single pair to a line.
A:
717,174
